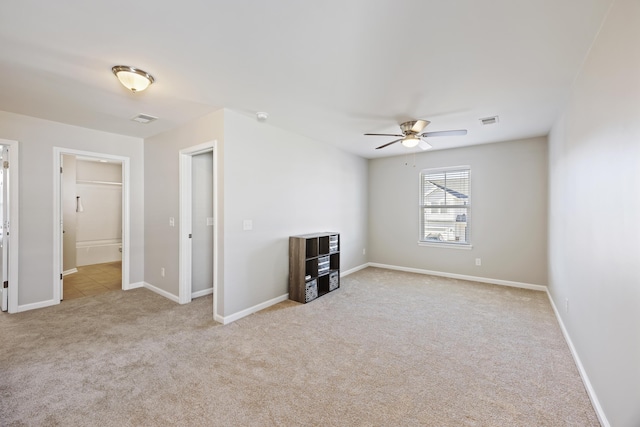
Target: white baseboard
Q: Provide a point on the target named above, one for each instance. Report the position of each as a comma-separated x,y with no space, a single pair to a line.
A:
134,285
49,303
35,305
162,292
583,374
70,271
202,293
239,315
500,282
353,270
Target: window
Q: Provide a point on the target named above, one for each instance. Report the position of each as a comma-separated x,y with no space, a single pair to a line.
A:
445,206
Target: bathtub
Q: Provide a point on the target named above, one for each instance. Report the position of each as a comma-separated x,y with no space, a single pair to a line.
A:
98,251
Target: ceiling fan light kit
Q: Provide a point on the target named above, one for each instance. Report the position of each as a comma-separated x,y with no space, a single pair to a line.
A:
410,141
132,78
411,136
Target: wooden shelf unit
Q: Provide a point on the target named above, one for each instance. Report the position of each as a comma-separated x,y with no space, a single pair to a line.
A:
314,265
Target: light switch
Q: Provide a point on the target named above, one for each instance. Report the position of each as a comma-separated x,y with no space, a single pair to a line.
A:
209,221
172,222
247,224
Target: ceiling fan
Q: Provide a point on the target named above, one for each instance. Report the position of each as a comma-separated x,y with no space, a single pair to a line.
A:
411,135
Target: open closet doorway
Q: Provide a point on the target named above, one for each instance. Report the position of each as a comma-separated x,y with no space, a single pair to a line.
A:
92,237
198,245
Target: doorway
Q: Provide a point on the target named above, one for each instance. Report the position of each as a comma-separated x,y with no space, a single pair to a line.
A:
91,217
91,191
198,213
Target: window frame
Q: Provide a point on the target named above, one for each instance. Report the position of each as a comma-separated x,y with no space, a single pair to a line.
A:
422,206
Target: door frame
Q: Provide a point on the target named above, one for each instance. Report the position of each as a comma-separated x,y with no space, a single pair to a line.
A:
14,225
185,226
57,214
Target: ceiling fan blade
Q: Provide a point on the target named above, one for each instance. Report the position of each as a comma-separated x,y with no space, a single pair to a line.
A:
388,143
424,145
419,125
382,134
444,133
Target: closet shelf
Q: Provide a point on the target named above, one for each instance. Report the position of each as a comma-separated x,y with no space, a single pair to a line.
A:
84,181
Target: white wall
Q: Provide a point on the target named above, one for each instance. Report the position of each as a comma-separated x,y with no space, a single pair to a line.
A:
508,212
101,199
91,170
37,138
101,220
286,184
594,213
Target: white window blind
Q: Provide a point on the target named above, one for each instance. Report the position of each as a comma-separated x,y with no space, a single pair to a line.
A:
445,205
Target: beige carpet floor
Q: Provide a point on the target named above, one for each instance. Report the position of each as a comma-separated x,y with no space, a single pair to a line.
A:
386,349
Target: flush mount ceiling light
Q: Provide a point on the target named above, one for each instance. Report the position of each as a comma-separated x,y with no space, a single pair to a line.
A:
132,78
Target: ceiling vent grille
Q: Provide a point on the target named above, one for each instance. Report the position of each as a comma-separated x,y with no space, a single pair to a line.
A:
489,120
144,118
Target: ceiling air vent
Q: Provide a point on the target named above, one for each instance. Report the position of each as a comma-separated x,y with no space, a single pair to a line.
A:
489,120
144,118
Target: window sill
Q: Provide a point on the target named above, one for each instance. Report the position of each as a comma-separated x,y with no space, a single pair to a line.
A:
464,246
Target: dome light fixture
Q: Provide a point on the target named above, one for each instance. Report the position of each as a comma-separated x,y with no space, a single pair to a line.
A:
410,141
132,78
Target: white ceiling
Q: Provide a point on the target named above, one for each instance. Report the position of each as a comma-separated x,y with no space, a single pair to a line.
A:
330,69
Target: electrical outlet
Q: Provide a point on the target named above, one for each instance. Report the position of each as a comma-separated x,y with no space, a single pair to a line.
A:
478,262
566,305
172,222
364,251
247,224
162,271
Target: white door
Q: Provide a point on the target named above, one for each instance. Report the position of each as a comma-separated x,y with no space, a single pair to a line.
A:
4,227
202,224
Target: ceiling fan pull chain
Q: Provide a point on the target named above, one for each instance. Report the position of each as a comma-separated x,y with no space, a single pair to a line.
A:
410,158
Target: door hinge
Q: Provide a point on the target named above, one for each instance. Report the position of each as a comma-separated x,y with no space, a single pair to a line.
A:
5,164
60,276
60,169
190,235
5,284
